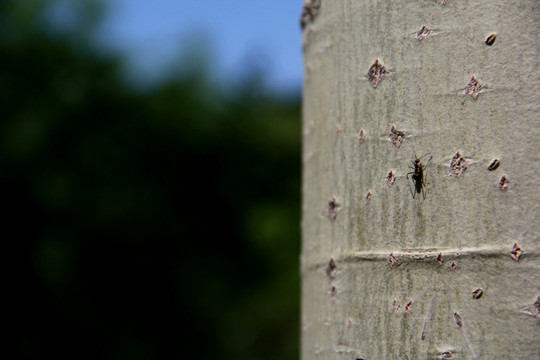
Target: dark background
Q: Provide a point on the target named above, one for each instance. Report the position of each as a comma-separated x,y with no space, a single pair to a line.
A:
155,223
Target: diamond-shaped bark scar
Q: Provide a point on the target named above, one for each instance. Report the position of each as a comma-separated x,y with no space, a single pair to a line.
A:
376,72
473,89
423,33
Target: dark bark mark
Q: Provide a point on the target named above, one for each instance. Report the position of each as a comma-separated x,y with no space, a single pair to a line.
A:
534,309
473,88
333,293
390,178
477,294
491,39
396,136
445,355
423,336
331,269
376,72
333,209
458,320
440,259
494,164
516,252
309,12
503,183
423,33
458,164
453,266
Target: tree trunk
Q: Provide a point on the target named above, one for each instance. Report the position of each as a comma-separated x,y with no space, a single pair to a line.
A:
420,180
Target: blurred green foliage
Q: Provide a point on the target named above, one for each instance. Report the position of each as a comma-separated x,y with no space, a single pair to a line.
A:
146,225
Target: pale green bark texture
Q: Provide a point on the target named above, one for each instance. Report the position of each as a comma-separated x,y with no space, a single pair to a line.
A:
358,309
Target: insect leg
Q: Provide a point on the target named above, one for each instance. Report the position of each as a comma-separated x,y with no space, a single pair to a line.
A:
409,184
424,179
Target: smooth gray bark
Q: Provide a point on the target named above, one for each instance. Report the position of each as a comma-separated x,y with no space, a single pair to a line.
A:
469,216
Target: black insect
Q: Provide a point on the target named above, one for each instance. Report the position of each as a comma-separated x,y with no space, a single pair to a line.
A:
418,175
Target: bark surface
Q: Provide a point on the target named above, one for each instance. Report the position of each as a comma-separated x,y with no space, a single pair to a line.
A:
432,275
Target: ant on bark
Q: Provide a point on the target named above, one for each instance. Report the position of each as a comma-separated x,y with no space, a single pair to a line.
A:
418,175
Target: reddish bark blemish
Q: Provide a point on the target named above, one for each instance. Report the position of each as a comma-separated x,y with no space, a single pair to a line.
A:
458,164
473,88
390,178
361,136
423,33
392,260
408,307
396,136
503,183
368,195
376,72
